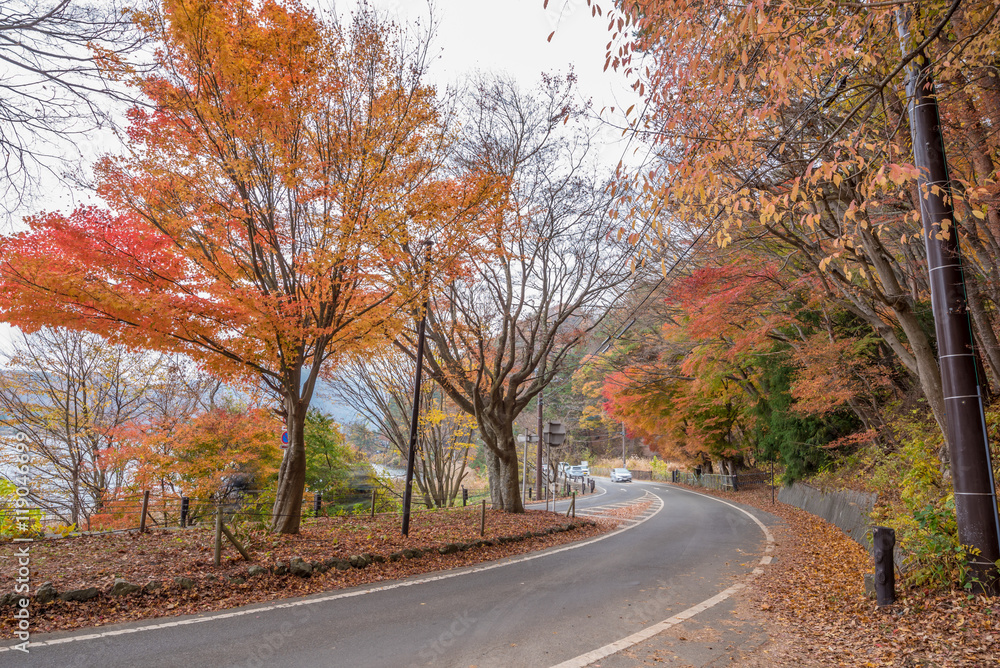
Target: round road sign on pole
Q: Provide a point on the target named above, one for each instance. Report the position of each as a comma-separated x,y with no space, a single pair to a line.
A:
284,440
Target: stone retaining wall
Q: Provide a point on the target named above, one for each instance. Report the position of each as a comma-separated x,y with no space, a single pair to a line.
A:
846,509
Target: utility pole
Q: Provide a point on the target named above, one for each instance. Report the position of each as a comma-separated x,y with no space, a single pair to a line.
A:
415,415
971,468
538,454
624,462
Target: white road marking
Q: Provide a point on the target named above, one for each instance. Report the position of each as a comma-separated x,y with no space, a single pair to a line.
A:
650,631
333,597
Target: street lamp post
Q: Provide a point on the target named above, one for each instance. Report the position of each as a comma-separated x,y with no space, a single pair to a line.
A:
411,454
554,435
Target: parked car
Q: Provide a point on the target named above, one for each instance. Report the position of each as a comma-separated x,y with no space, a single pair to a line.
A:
574,472
586,468
621,475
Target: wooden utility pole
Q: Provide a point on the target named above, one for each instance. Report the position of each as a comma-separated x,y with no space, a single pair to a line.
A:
971,468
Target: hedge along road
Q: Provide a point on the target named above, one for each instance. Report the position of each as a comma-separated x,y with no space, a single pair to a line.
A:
568,605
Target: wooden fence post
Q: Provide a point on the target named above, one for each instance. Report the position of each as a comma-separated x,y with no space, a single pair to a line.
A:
482,520
218,535
145,509
373,503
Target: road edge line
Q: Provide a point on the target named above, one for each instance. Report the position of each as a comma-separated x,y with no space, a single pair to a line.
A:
645,634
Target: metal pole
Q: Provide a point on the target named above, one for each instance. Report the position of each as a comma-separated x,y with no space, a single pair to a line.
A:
538,452
548,473
524,478
968,444
624,463
411,454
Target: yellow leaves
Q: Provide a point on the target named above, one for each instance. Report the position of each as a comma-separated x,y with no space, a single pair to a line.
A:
981,215
900,174
767,212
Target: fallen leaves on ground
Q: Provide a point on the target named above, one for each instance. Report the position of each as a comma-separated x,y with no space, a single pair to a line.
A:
814,597
161,555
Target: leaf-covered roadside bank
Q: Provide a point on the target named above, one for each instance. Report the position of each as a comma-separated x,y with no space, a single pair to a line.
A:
813,603
175,574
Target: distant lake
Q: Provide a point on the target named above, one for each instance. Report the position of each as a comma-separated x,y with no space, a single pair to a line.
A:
396,474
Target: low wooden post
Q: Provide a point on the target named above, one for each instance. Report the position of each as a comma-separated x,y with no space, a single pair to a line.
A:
218,535
237,544
185,505
373,503
482,520
145,509
317,503
885,575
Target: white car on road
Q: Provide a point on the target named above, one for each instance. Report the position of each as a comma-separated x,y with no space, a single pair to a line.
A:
621,475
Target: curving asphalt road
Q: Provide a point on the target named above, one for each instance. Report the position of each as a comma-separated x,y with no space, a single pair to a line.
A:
547,608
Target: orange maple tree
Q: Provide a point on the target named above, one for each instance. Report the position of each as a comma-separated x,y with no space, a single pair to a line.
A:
783,126
262,217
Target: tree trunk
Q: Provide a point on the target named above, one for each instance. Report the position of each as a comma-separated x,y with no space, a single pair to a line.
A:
287,511
503,468
510,485
493,474
928,372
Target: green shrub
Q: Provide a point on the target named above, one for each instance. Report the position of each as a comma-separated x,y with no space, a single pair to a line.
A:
917,502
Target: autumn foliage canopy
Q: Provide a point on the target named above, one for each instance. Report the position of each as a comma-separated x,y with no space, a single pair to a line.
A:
261,220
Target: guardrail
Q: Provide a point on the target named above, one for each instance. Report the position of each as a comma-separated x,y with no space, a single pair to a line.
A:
718,481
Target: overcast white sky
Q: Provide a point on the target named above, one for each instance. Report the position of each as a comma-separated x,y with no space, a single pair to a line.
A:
511,36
